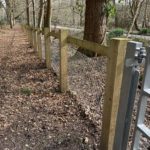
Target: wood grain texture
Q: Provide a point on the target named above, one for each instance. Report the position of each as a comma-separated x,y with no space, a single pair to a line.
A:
94,47
47,48
63,60
39,44
113,89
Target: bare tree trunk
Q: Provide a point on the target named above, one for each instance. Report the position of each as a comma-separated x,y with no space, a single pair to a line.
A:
116,15
11,16
72,10
41,14
47,21
81,19
95,23
144,24
136,24
34,17
9,12
135,16
28,12
13,9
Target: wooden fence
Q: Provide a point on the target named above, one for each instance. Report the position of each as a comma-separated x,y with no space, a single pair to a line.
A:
116,55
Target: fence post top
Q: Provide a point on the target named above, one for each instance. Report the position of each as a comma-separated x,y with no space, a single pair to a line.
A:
46,28
64,30
118,46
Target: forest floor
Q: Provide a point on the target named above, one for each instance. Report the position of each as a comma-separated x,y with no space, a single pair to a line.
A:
33,114
87,78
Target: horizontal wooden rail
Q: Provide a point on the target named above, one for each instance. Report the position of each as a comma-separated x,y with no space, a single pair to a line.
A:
94,47
53,33
115,65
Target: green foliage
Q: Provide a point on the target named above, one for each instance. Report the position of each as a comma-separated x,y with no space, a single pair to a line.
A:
26,91
110,9
145,31
116,33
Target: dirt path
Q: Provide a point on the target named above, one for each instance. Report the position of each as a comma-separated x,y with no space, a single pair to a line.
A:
33,114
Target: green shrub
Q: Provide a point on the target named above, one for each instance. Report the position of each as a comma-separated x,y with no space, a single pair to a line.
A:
116,33
145,31
26,91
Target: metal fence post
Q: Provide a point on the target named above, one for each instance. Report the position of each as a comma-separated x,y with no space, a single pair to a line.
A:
140,127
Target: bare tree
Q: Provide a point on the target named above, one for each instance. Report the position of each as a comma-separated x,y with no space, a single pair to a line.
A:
144,24
34,17
137,6
28,12
41,13
9,12
95,22
48,14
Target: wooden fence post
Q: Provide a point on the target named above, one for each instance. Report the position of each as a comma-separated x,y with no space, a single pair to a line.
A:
113,89
35,39
29,32
31,39
47,47
39,44
63,60
26,30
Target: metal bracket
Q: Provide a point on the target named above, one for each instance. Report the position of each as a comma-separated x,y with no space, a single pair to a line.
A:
140,54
